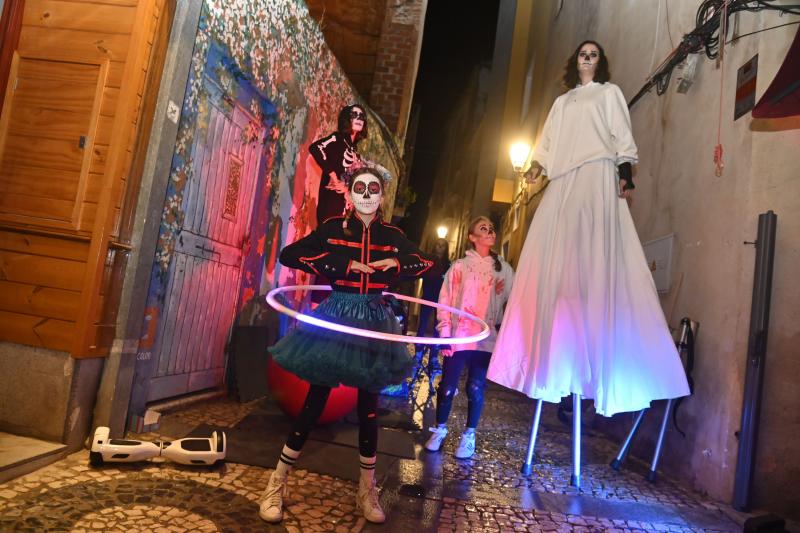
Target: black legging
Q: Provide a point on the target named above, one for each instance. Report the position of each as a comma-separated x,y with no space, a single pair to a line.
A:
477,363
312,410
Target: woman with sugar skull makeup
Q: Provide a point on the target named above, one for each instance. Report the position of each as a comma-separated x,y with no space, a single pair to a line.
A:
583,317
362,256
335,153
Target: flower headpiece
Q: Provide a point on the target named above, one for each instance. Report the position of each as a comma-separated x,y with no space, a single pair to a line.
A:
371,166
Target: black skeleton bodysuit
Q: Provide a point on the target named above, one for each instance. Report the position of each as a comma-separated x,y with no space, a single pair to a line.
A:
334,153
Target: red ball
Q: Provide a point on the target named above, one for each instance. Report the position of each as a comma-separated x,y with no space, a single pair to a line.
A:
289,392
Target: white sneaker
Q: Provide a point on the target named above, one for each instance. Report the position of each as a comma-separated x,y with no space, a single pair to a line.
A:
466,447
435,440
367,501
271,506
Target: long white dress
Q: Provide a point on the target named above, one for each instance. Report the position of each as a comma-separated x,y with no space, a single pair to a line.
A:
583,315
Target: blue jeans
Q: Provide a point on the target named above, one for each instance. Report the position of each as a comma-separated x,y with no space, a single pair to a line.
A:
477,363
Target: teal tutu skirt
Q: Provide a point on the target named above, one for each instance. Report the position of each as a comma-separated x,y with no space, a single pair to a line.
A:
325,357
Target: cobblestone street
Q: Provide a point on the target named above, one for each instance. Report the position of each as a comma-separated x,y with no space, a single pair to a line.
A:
435,492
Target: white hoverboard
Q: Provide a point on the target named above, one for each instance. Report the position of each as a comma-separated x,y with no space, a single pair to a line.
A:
188,451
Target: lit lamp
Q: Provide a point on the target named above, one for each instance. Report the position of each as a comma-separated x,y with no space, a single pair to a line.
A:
441,232
519,153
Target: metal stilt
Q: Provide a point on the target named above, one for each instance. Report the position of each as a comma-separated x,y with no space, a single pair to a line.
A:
615,464
527,466
651,476
685,345
575,480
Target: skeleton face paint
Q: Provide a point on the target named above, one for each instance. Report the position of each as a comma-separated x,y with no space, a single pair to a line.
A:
357,118
588,58
484,234
366,194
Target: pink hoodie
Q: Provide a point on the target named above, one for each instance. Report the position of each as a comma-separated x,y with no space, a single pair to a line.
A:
472,284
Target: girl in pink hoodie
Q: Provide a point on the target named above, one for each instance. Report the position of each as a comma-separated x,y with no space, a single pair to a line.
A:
478,283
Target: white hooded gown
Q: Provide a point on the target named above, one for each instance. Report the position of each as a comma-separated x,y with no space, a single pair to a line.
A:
583,315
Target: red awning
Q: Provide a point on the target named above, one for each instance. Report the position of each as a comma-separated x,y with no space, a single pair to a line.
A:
782,98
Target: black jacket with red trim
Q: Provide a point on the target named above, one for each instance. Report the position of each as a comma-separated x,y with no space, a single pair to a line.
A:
327,251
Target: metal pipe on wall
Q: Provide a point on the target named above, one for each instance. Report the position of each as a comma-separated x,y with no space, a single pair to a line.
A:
756,356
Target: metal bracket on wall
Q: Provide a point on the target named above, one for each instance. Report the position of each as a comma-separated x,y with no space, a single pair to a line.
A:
120,246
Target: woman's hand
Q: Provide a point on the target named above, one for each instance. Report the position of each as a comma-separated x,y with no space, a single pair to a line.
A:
335,184
533,173
623,193
385,264
356,266
446,350
499,285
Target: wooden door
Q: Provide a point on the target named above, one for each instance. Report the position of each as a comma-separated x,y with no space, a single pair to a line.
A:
45,136
203,283
45,155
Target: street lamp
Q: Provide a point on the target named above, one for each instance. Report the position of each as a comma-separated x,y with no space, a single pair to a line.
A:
519,153
441,232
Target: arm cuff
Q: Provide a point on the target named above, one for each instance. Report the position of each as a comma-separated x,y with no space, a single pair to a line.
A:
626,173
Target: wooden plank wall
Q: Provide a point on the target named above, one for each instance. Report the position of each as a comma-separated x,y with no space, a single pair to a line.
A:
53,254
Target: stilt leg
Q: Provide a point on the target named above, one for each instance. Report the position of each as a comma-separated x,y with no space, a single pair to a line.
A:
575,481
617,462
527,466
651,476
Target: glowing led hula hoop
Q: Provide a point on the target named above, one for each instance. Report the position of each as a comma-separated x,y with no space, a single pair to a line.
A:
394,337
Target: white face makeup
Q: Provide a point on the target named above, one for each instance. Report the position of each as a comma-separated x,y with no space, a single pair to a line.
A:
588,58
357,118
366,194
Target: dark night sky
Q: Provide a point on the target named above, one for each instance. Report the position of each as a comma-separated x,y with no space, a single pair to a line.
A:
458,36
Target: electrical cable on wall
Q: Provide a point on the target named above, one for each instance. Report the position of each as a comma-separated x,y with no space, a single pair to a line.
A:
718,164
734,39
705,37
708,36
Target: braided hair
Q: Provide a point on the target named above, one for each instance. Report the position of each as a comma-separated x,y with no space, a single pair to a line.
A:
471,230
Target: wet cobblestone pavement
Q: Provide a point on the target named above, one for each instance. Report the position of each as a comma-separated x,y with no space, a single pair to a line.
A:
503,439
435,492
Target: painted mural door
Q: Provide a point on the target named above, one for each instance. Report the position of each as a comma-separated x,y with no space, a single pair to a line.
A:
203,283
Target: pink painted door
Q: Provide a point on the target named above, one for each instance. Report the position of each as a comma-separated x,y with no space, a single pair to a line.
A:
203,284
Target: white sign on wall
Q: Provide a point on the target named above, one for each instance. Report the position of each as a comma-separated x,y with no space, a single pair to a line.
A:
659,259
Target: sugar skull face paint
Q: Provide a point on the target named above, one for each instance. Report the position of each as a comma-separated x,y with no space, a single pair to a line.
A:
366,194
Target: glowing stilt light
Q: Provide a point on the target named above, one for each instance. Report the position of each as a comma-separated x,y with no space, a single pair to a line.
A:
394,337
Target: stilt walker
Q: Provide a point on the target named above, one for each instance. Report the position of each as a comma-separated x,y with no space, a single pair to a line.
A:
583,318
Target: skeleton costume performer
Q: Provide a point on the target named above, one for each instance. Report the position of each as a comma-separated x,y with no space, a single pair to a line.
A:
335,154
362,256
329,358
583,316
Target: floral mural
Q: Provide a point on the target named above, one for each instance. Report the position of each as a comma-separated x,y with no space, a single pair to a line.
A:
298,88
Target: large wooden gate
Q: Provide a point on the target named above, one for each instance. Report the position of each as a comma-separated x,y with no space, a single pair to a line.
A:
204,281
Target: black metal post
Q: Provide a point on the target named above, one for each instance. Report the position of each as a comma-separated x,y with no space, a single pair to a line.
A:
756,355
